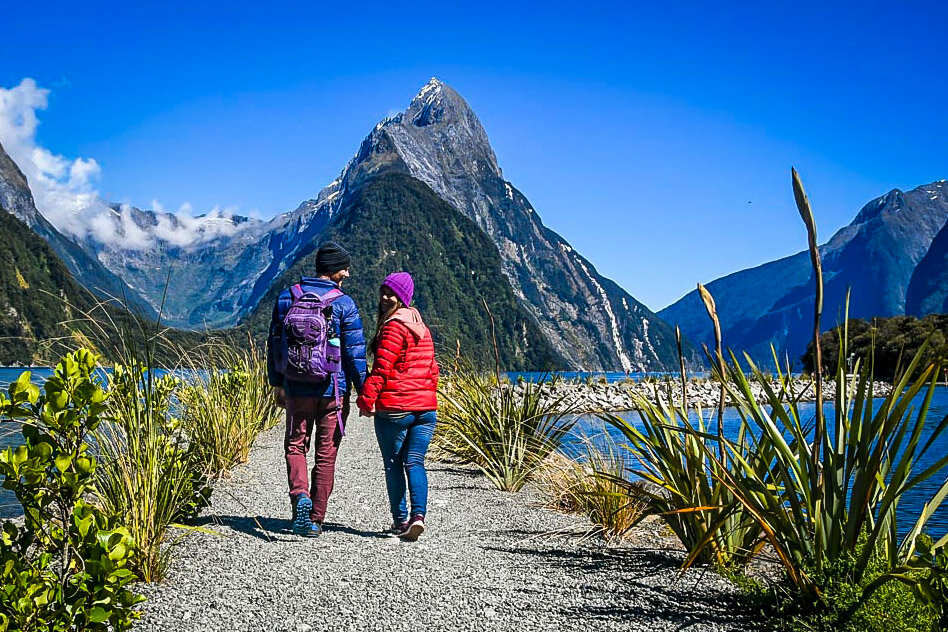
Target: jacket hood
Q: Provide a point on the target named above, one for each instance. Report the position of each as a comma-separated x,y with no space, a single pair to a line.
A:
411,318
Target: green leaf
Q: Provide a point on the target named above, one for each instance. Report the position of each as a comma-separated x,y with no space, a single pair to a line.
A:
118,552
63,461
98,615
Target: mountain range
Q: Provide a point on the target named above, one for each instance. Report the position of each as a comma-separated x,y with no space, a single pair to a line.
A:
424,192
892,257
546,304
17,199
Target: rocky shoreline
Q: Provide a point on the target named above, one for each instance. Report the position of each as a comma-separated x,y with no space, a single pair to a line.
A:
599,396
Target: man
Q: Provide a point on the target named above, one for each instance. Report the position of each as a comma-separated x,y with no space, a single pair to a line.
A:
317,409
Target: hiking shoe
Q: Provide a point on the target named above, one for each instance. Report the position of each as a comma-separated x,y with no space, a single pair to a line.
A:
315,530
301,522
415,528
396,529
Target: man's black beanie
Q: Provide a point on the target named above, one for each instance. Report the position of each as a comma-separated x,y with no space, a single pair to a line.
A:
330,258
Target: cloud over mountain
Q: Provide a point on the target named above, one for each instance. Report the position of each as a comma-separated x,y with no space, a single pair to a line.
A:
65,191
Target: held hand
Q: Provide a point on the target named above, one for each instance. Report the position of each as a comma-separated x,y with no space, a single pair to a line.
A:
279,397
364,409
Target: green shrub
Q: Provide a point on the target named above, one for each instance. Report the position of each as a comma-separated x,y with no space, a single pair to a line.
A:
845,605
66,567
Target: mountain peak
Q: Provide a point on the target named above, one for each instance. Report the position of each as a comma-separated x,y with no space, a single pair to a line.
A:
436,138
436,103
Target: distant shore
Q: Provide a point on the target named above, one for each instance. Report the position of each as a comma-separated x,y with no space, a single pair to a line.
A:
592,396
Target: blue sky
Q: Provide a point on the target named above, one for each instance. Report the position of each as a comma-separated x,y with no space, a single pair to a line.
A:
658,140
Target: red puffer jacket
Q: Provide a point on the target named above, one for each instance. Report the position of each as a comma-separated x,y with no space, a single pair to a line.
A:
404,375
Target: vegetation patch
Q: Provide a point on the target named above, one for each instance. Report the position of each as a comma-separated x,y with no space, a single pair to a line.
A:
889,343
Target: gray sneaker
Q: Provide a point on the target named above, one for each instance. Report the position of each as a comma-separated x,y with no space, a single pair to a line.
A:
301,522
396,529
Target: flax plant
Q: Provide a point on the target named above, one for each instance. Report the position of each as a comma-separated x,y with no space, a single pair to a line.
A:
844,504
830,492
505,433
683,482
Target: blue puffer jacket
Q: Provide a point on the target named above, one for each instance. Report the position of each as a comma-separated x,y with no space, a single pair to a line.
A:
348,325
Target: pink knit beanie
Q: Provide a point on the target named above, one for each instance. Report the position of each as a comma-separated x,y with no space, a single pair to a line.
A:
402,285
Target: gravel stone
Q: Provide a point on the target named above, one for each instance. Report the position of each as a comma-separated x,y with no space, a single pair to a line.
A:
488,561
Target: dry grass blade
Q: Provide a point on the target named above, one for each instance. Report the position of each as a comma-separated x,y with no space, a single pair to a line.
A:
596,485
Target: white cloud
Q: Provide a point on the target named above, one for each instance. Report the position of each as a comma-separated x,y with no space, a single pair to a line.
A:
65,193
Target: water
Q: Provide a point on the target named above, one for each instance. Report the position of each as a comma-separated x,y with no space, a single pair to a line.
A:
909,506
592,426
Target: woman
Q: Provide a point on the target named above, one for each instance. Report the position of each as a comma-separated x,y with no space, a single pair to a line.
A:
402,392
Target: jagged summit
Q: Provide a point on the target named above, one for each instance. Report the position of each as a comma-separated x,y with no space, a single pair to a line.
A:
435,103
896,199
439,125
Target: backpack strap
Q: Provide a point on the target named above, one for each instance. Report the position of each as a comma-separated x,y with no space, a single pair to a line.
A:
340,423
331,295
296,291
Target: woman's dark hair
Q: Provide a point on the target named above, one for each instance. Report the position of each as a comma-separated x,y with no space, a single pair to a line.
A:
383,315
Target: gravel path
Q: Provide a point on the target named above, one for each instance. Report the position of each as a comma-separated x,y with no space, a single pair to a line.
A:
486,562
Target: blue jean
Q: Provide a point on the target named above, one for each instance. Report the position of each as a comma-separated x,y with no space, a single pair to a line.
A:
404,439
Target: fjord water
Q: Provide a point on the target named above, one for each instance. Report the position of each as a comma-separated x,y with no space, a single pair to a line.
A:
593,428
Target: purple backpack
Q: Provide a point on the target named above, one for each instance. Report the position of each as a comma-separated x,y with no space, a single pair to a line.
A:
309,350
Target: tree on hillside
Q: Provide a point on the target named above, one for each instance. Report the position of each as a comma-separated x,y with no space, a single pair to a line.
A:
888,342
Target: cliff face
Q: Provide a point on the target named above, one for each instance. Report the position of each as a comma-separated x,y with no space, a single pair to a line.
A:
928,289
876,256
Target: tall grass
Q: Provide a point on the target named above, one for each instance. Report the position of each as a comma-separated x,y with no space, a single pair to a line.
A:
147,477
174,420
506,432
224,410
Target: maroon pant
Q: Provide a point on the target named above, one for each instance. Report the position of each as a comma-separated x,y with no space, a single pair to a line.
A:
303,416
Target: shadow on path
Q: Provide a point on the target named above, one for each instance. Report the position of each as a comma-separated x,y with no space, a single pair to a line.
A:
332,527
672,606
273,529
449,469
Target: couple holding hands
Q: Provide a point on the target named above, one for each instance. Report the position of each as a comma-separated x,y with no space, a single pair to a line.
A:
316,352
